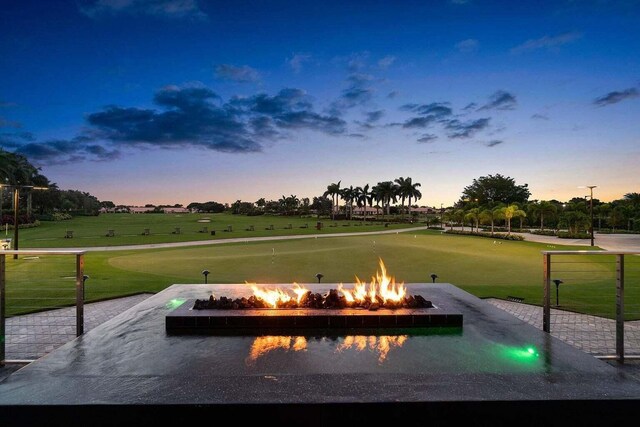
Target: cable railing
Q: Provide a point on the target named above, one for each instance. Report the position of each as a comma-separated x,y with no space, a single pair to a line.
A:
41,294
592,301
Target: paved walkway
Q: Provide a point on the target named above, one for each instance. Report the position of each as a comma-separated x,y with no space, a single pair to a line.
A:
591,334
33,335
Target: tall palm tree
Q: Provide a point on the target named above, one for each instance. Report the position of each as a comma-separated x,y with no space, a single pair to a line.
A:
616,217
473,215
333,190
348,195
602,211
401,184
491,215
363,197
458,216
449,217
407,188
510,212
541,209
388,192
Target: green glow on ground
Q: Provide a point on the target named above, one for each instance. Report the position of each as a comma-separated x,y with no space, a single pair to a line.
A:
175,303
523,355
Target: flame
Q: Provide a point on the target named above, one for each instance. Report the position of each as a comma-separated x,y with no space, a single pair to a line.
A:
271,296
382,286
264,345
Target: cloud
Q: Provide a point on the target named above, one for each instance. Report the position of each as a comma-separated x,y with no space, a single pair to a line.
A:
359,91
386,62
615,97
393,94
494,143
4,123
458,129
174,9
427,138
374,116
547,42
500,100
539,117
419,122
66,151
243,74
437,109
296,62
15,139
467,46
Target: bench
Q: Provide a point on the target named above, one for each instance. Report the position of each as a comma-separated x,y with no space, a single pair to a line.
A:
68,234
304,226
204,230
110,233
288,227
269,227
251,228
176,230
146,232
228,229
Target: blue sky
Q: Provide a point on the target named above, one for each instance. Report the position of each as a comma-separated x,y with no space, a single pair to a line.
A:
173,101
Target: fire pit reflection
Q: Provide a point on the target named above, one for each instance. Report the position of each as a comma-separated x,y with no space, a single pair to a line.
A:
380,345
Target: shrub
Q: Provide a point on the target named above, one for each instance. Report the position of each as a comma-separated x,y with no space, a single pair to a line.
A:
544,233
483,234
568,235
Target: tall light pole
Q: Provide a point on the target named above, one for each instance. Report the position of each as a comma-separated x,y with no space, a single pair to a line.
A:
16,202
590,187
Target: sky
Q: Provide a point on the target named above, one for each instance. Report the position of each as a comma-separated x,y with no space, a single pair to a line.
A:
176,101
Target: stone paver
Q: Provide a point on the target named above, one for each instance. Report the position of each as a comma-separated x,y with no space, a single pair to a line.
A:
33,335
591,334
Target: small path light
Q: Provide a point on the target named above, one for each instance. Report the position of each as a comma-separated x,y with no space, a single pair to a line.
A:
205,273
557,282
434,276
319,276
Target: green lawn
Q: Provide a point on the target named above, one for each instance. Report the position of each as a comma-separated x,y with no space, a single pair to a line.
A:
475,264
128,228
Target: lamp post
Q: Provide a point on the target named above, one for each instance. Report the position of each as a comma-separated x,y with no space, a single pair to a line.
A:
591,187
441,212
558,282
16,201
434,277
205,273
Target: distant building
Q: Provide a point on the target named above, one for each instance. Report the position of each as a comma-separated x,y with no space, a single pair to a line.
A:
145,209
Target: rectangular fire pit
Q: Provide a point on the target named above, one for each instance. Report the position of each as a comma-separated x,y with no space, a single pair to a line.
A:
185,320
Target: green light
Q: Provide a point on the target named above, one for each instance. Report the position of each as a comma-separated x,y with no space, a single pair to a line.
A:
175,303
522,355
531,350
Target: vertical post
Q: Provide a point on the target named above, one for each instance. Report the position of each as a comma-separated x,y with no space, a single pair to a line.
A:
79,294
3,339
591,212
546,303
620,307
16,202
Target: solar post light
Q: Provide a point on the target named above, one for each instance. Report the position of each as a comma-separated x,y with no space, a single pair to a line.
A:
434,276
205,273
557,282
319,276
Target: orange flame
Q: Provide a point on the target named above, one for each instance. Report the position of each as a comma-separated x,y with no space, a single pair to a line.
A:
381,286
264,345
378,344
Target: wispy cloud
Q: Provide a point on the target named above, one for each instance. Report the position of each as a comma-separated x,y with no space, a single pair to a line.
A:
616,96
427,138
386,62
297,61
500,100
468,45
374,116
547,42
176,9
437,109
540,117
458,129
243,74
359,91
494,143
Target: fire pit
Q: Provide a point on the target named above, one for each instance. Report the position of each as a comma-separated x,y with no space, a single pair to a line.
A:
381,303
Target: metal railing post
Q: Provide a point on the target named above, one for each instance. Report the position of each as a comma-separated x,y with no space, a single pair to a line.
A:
546,303
3,335
620,307
79,294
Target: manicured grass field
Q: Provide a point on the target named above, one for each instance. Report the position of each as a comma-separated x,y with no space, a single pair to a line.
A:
481,266
129,228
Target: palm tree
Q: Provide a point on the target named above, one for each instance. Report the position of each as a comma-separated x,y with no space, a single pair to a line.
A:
603,212
512,211
363,197
473,215
388,192
542,208
616,217
458,216
348,195
491,215
333,190
409,189
449,217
